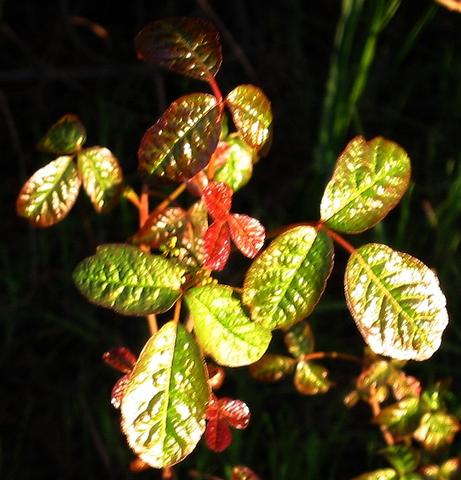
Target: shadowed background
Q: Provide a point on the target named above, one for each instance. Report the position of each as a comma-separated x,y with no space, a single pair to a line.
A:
332,70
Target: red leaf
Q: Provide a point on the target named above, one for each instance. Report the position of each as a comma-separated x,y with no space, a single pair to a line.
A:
247,233
218,200
118,391
120,358
235,412
217,245
240,472
217,434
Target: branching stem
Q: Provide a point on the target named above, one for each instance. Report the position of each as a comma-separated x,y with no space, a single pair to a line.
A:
332,355
171,197
337,238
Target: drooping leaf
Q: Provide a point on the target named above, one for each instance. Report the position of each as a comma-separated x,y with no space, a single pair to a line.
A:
300,339
50,193
164,404
120,358
382,474
223,329
311,379
66,136
437,430
189,46
369,180
401,418
240,472
217,245
396,302
235,412
101,176
247,234
129,281
283,285
272,368
118,392
181,142
403,458
217,197
252,114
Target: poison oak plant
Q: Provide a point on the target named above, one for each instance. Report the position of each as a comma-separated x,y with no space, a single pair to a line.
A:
166,396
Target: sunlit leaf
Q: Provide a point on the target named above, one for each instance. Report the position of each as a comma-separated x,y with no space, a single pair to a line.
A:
432,398
182,141
217,197
374,375
120,358
396,302
101,176
66,136
401,418
129,281
192,244
283,285
404,385
272,368
218,435
217,245
223,329
369,180
383,474
300,339
247,234
252,114
403,458
237,167
311,379
236,412
50,193
189,46
449,470
164,404
118,392
240,472
437,430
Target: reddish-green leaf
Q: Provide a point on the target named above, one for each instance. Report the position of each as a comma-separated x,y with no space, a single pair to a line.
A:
218,200
311,379
66,136
252,115
235,412
247,234
101,177
118,392
240,472
300,339
396,302
272,368
404,385
50,193
217,245
401,418
369,180
189,46
120,358
181,142
437,430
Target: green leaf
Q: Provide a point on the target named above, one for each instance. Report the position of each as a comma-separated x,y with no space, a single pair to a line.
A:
402,458
300,339
283,284
66,136
272,368
238,161
383,474
165,401
437,430
374,376
181,142
189,46
400,418
129,281
396,302
101,176
311,379
252,114
369,180
222,327
50,193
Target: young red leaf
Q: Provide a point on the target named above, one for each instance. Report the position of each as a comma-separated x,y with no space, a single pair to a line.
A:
120,358
118,391
218,200
217,245
217,434
235,412
247,234
184,45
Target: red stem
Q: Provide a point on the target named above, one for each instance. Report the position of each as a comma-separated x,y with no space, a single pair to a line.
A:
216,91
337,238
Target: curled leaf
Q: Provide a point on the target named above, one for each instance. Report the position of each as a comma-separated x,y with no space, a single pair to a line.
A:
272,368
66,136
120,358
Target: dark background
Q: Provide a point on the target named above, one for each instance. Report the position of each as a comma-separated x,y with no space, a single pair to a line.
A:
55,417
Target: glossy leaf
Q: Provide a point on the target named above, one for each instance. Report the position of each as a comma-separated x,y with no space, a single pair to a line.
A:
118,392
235,412
272,368
218,435
252,115
101,176
400,418
403,458
181,142
396,302
382,474
241,472
164,404
66,136
311,379
217,245
283,285
120,358
300,339
223,329
50,193
369,180
189,46
218,200
436,430
247,234
129,281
